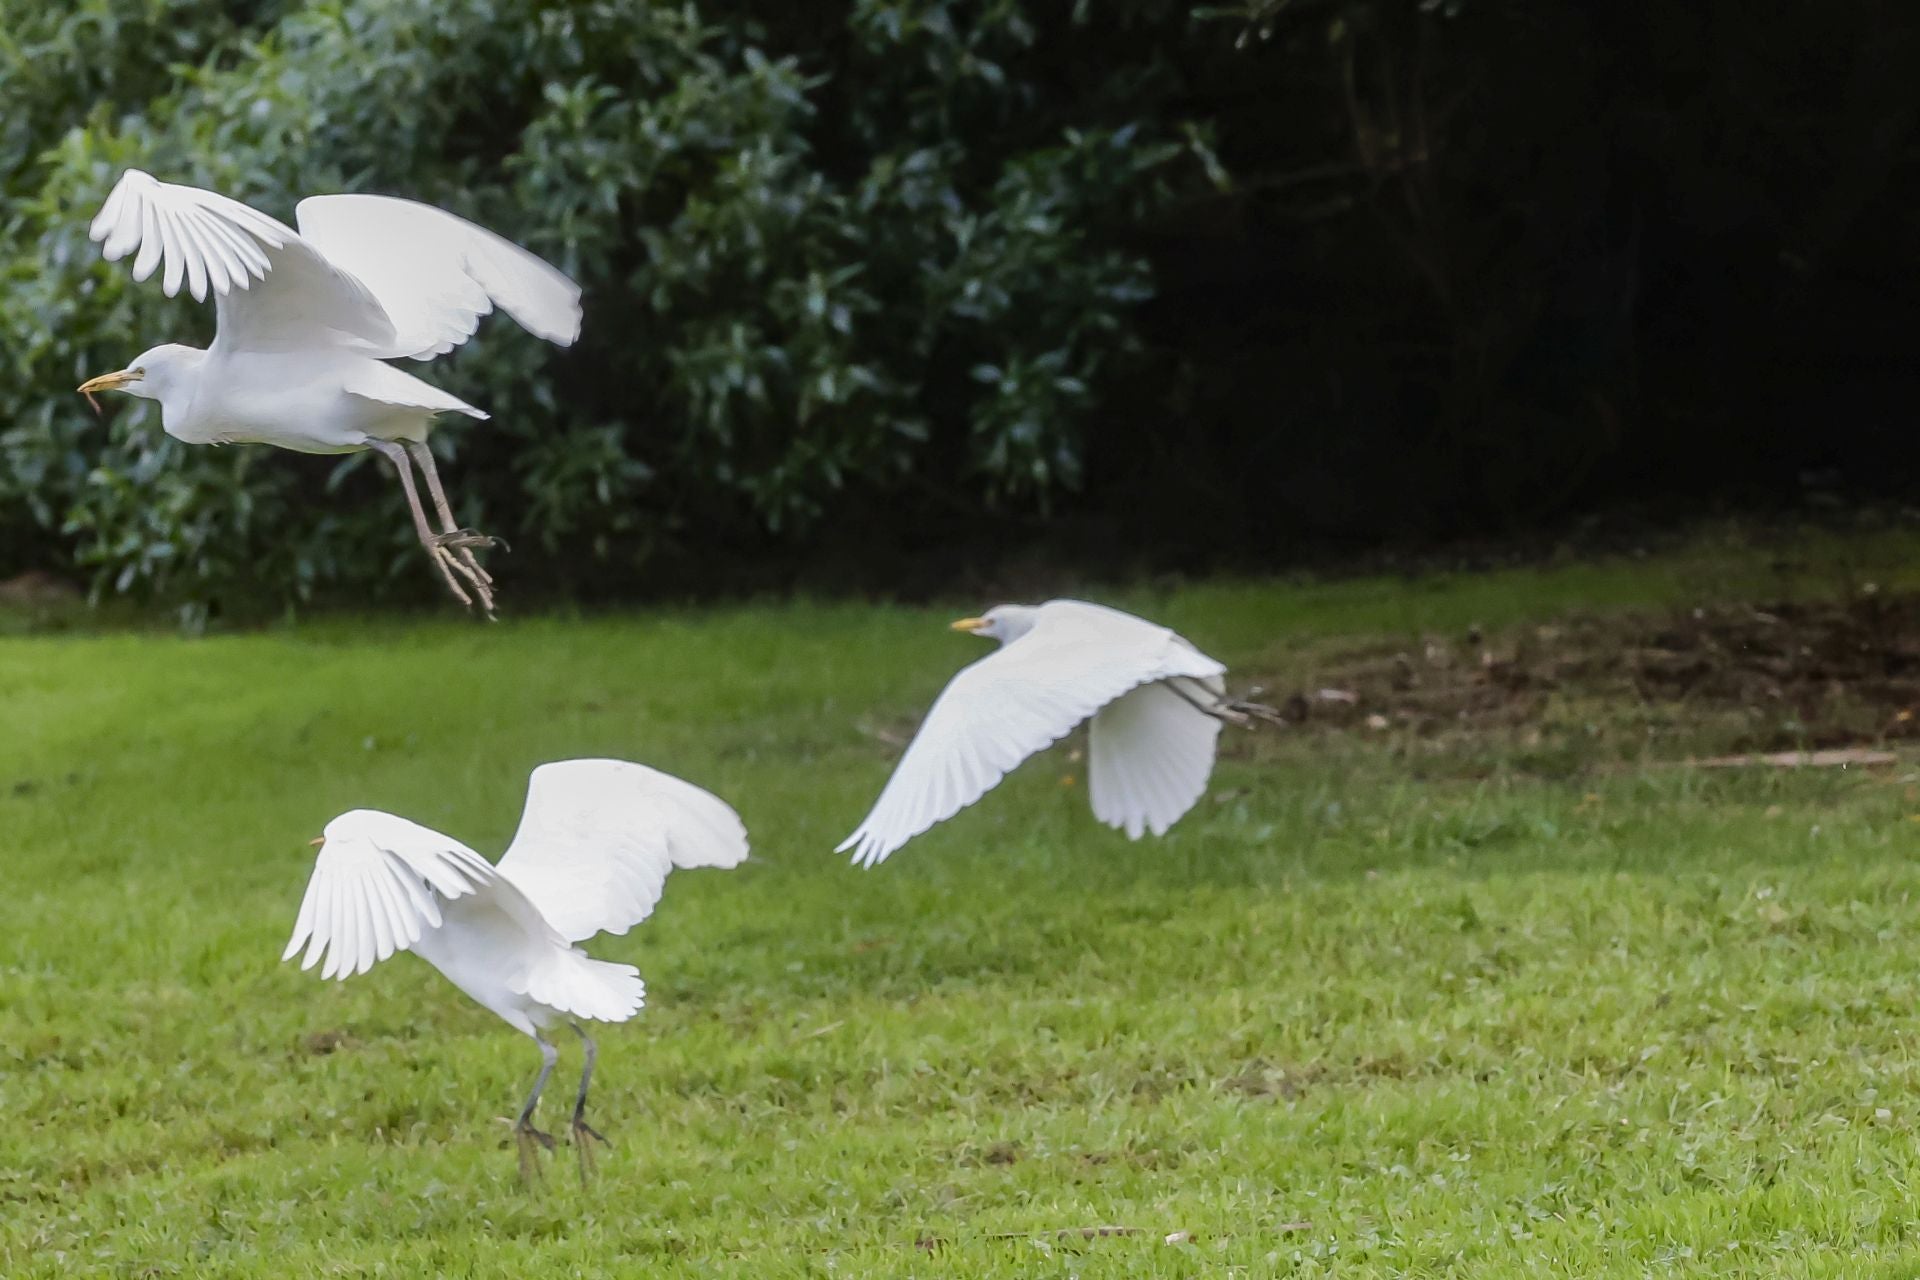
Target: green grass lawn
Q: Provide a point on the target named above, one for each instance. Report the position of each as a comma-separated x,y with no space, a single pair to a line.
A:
1362,1013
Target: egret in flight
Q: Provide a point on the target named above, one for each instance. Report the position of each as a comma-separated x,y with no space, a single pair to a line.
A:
1156,704
595,844
307,319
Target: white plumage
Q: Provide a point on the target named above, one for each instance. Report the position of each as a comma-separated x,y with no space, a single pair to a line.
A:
596,841
435,275
1155,701
306,318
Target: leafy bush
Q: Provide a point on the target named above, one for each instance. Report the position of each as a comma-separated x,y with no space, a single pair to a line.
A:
813,272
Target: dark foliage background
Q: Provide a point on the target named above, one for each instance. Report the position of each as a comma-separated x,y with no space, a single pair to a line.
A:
880,288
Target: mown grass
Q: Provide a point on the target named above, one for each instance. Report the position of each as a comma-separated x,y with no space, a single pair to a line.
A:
1345,1019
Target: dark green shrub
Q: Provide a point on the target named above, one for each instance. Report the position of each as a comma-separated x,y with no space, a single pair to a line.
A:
810,275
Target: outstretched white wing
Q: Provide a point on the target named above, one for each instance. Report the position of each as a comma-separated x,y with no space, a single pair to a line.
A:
1077,658
272,289
598,837
437,274
377,887
1149,754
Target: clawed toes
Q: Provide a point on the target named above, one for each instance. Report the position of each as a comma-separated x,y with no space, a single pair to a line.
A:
456,567
467,539
583,1148
1249,713
441,560
525,1136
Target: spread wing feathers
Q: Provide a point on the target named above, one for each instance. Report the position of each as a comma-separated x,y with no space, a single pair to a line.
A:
273,290
377,886
1149,754
437,274
1032,692
598,837
384,384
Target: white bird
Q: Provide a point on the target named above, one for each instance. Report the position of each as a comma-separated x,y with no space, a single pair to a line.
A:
595,844
1156,703
307,318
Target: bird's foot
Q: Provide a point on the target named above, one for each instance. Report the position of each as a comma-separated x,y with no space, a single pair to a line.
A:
442,560
457,565
1229,710
466,539
584,1136
1247,714
462,543
526,1137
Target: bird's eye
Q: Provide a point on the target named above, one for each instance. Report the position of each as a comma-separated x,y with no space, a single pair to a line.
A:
139,373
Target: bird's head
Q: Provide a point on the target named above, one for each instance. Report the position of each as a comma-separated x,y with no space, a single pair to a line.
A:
155,375
1003,622
359,824
347,827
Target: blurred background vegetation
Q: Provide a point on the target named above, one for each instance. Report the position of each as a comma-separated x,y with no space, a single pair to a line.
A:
880,289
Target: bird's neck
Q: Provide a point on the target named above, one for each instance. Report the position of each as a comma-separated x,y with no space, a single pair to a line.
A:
179,391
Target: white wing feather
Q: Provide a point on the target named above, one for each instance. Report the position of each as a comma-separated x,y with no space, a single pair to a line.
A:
437,274
1149,754
371,380
376,887
994,714
272,289
598,837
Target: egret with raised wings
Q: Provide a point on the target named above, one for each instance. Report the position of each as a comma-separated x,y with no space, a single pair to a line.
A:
595,844
1156,704
307,319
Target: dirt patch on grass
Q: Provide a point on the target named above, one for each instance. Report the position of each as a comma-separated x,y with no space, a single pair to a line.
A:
1766,677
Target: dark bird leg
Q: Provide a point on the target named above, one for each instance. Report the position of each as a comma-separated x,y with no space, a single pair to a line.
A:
461,541
582,1132
442,558
523,1131
1221,707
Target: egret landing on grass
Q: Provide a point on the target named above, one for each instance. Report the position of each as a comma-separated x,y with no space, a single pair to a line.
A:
1156,702
306,319
595,844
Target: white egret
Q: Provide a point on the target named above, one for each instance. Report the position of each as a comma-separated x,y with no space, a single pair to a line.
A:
595,844
307,318
1155,701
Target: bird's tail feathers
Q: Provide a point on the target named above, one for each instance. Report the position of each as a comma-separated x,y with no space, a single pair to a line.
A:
573,982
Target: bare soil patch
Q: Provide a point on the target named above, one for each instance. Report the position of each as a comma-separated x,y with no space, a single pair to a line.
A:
1755,678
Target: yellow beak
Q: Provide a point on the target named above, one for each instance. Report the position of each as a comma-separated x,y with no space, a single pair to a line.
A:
317,840
969,624
108,382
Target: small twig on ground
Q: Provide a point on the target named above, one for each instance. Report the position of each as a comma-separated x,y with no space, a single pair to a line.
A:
1095,1233
1836,758
1067,1233
881,734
